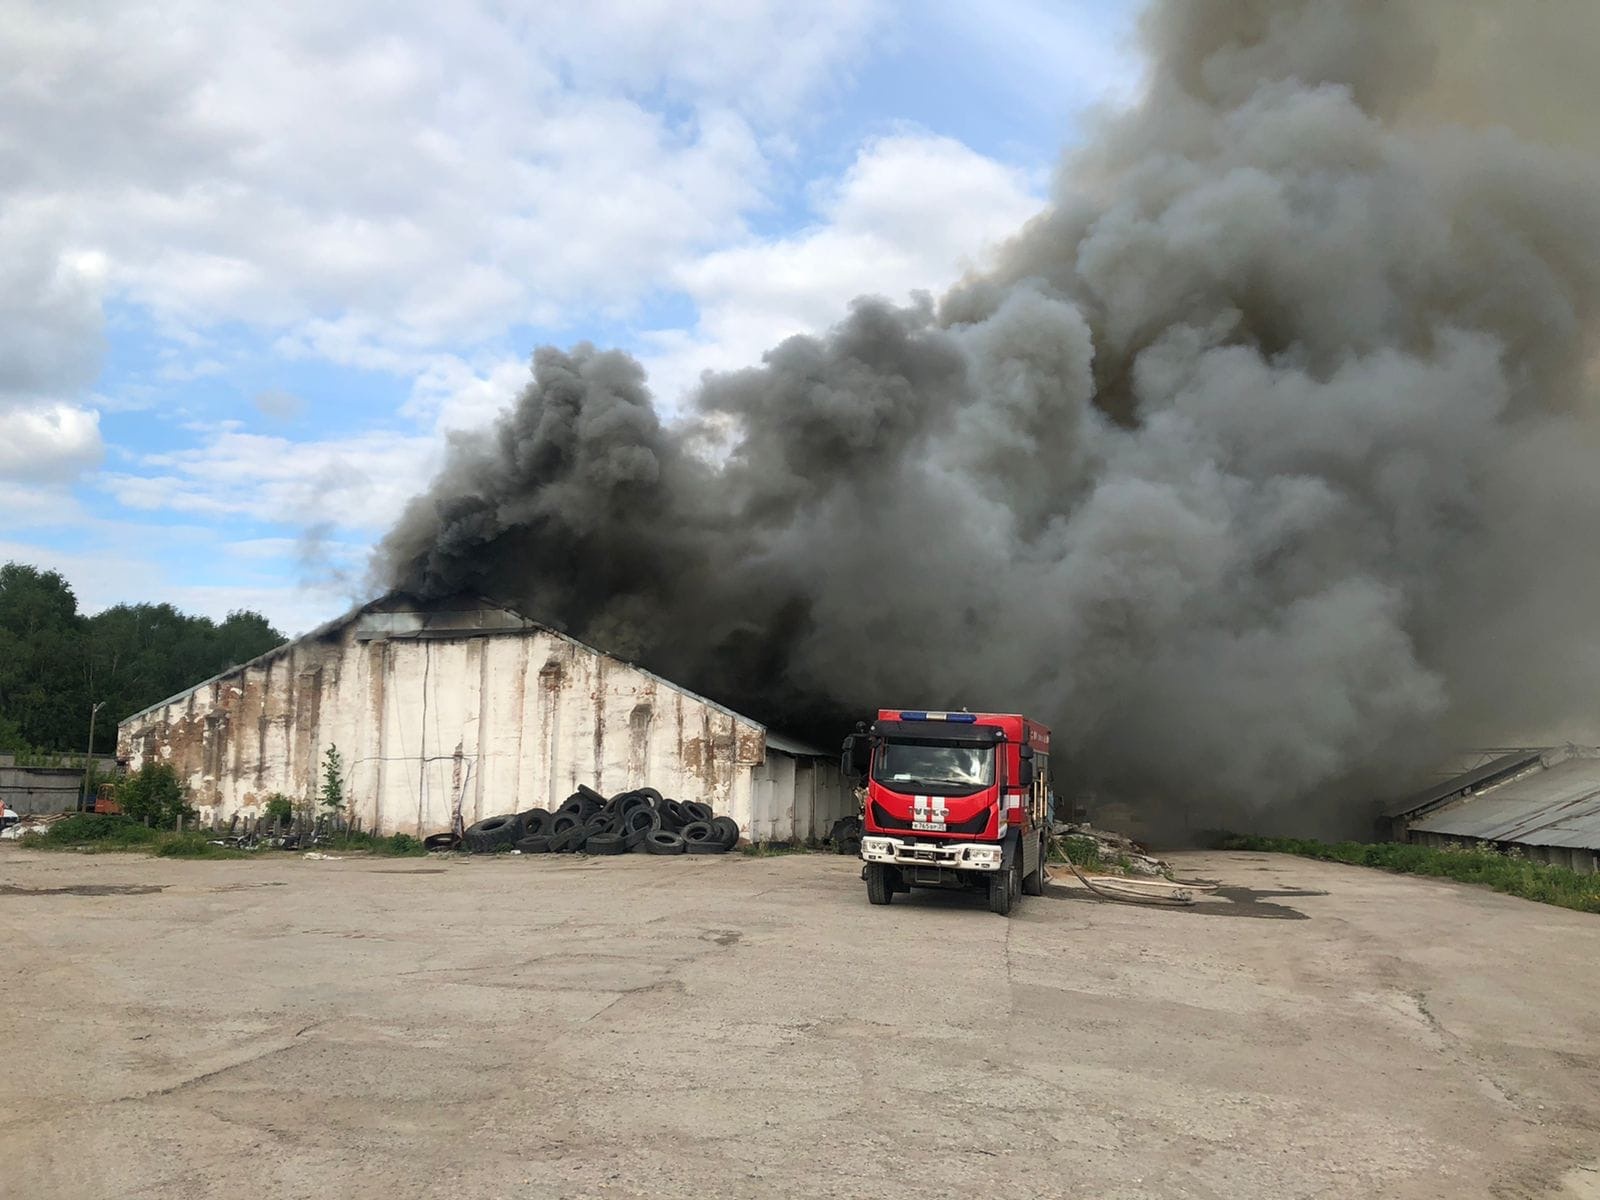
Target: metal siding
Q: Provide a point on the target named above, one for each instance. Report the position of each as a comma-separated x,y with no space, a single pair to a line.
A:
1556,806
517,719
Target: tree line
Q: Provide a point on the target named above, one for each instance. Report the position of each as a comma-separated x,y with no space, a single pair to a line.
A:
55,662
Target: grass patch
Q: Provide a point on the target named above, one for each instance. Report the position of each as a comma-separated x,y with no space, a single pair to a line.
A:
1509,872
97,833
1078,850
773,849
398,845
192,845
93,832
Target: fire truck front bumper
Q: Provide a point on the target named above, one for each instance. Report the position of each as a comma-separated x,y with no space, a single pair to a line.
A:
955,856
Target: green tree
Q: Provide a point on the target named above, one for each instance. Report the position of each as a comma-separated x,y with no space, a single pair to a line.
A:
154,794
54,662
332,794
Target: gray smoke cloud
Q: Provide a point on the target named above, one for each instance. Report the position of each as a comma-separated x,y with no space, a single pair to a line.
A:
1263,466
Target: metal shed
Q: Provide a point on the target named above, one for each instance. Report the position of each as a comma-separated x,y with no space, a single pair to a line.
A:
1551,812
467,703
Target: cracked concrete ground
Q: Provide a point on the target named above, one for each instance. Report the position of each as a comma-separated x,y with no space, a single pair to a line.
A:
746,1027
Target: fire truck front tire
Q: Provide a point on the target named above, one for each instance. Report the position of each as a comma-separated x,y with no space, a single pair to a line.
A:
1033,881
880,883
1003,889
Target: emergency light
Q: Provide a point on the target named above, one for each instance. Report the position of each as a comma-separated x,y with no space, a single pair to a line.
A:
960,718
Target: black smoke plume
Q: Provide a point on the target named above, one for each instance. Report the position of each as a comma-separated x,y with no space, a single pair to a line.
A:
1263,466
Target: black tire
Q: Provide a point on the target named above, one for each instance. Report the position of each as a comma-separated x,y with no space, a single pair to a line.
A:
535,821
605,843
663,841
699,811
590,794
710,847
1003,890
572,804
537,844
673,815
727,830
635,839
641,820
699,831
577,839
601,823
1033,881
650,794
564,822
488,835
880,884
846,835
631,802
439,841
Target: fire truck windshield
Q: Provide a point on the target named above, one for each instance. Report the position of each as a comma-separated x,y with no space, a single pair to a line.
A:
902,765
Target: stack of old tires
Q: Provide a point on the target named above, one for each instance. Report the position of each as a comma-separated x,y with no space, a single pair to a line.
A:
641,821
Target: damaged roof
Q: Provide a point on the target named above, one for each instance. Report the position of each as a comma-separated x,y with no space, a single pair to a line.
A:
1558,805
1495,771
400,616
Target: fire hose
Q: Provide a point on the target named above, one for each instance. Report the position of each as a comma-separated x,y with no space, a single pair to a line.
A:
1136,891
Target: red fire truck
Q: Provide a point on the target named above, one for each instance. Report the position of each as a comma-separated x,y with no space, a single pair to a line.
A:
954,799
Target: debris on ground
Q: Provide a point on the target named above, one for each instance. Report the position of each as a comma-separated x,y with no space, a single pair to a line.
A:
1107,852
16,829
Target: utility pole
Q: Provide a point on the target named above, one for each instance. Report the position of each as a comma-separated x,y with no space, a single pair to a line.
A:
88,759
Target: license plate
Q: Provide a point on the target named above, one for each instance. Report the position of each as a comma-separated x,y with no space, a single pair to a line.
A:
934,826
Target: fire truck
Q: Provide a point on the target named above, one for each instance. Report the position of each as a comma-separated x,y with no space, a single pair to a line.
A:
953,799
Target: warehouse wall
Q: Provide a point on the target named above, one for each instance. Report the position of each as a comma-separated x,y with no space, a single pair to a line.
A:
504,718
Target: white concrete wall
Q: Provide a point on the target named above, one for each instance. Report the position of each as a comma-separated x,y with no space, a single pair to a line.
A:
505,720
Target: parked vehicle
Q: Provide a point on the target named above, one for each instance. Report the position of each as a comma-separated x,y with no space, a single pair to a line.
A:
953,799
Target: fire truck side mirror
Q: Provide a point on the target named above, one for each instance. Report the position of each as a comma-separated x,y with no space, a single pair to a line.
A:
1025,766
857,756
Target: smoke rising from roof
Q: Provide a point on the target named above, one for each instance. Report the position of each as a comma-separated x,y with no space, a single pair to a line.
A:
1262,464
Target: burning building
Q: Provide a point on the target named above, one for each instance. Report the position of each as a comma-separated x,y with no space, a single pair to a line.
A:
463,706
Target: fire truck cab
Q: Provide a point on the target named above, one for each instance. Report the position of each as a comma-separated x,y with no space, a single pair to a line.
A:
953,799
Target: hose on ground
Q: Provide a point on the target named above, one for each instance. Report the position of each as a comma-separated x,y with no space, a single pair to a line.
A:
1128,891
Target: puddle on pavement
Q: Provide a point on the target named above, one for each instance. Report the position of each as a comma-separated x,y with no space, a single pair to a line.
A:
83,889
1254,903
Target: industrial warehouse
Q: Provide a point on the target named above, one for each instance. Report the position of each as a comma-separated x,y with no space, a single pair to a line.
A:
1544,803
447,712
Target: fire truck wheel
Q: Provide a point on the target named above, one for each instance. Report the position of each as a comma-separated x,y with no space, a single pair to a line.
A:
1033,881
880,887
1002,890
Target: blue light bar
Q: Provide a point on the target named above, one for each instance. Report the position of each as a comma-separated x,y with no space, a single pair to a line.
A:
962,718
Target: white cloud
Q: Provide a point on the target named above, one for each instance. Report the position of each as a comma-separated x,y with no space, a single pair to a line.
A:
400,175
48,443
360,482
914,211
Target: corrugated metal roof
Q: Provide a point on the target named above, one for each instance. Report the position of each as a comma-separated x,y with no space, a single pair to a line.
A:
1431,797
787,745
1556,806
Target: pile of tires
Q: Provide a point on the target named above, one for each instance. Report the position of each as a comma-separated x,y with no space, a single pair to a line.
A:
641,821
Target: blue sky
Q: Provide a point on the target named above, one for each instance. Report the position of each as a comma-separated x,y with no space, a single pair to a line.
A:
258,265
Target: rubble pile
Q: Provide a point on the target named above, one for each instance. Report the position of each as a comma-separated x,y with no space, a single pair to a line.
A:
1114,851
